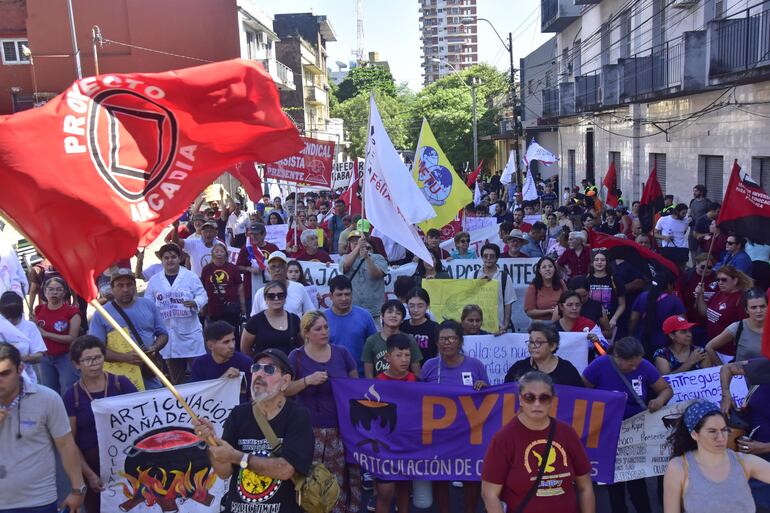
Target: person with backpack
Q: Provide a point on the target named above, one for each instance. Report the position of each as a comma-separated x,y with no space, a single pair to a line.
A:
87,354
506,295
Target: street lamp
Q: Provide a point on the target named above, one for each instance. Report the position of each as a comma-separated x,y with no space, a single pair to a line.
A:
472,87
512,78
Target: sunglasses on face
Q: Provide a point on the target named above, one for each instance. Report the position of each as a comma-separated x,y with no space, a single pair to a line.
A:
531,398
730,242
465,241
275,296
267,368
723,280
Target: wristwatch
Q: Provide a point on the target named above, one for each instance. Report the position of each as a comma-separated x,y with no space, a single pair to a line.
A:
244,464
80,491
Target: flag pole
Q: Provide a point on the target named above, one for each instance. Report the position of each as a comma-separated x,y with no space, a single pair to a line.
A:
147,361
711,246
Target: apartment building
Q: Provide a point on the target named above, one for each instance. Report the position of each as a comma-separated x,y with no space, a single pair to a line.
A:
683,85
449,37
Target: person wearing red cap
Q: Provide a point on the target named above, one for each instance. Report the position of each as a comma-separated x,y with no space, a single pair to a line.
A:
679,355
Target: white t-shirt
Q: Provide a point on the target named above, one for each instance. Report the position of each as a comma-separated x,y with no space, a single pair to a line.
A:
238,224
200,254
674,228
36,345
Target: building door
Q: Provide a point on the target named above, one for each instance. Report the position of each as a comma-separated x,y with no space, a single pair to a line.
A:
711,174
760,171
571,168
590,173
658,160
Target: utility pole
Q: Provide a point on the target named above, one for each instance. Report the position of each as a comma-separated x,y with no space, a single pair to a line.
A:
475,122
75,49
514,102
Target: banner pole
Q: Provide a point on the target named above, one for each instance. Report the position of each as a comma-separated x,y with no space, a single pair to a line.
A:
711,246
147,361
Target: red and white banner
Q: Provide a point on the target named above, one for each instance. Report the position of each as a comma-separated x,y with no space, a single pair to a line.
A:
311,166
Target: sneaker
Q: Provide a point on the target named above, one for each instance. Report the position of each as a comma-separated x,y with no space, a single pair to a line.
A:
371,505
367,482
457,484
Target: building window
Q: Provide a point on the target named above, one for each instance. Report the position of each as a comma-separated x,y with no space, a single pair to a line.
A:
571,168
711,174
658,160
760,171
13,51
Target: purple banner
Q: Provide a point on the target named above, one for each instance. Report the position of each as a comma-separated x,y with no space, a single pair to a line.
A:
398,430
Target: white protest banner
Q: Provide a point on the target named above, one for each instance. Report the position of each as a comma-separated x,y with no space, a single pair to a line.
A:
642,448
478,238
704,384
534,218
149,453
342,173
471,224
276,234
498,354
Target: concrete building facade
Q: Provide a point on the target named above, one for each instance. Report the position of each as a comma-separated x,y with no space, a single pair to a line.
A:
683,86
449,37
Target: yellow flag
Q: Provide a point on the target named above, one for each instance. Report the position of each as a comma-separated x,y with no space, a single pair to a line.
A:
449,297
433,174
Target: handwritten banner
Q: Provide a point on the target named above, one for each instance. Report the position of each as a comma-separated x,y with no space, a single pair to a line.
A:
448,297
704,384
471,224
498,354
311,166
276,234
150,457
399,430
343,172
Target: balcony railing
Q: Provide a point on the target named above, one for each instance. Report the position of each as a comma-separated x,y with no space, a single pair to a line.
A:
314,94
281,73
653,70
551,102
556,15
588,92
741,42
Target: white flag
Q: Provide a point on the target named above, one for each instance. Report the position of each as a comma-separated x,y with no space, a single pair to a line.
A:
393,201
477,194
529,191
537,152
510,168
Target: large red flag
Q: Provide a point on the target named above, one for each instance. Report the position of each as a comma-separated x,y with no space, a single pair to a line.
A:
630,250
611,183
651,201
246,173
103,167
745,208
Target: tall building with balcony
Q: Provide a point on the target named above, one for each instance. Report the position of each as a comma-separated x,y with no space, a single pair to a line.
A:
447,42
258,40
682,86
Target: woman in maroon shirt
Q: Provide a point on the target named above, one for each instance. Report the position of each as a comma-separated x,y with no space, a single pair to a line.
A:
724,307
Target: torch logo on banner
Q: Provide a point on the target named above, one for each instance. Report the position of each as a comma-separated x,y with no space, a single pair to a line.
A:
373,418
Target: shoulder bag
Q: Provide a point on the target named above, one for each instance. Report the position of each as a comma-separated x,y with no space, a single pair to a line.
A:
630,388
155,356
318,491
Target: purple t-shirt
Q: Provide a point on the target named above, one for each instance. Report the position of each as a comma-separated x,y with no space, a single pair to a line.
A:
204,367
467,373
84,416
318,399
602,376
668,305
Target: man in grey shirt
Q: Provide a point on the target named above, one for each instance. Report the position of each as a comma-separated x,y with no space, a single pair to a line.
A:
32,421
366,271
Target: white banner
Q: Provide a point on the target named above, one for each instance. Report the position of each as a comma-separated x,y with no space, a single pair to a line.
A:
471,224
151,460
342,173
704,384
478,239
500,353
276,234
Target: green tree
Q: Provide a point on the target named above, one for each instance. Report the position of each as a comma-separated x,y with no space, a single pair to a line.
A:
365,79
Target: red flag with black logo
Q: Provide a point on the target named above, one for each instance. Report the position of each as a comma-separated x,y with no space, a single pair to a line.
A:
745,209
651,201
611,184
106,165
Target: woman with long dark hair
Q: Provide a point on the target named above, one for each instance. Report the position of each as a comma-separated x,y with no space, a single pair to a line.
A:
704,476
725,307
603,288
653,306
543,293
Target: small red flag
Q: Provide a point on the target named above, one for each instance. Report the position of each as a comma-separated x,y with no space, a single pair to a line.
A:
246,173
745,208
106,165
471,181
651,201
611,183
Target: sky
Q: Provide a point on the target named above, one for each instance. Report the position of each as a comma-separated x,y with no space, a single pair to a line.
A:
391,27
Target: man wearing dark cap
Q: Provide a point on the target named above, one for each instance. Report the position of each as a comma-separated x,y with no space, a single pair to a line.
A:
143,314
261,476
199,250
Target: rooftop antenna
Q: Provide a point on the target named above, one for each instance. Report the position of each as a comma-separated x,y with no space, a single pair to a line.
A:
359,31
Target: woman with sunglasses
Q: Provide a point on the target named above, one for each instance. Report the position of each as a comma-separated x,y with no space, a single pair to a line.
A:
703,475
726,306
462,251
87,354
624,369
746,334
59,324
274,327
543,293
542,345
314,363
516,453
453,367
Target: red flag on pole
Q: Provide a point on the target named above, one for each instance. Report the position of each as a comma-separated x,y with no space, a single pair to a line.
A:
611,183
651,201
120,156
745,208
475,175
246,173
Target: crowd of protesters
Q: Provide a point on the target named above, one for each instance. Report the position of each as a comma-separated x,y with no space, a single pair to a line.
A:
202,316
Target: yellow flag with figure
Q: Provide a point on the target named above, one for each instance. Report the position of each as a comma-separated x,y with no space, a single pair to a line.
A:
433,174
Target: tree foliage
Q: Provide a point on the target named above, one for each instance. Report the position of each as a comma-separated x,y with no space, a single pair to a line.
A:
365,79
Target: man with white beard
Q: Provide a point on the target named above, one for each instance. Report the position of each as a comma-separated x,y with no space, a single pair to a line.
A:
261,476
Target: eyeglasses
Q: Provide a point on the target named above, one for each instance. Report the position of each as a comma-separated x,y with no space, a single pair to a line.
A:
92,360
536,343
451,338
268,368
709,267
531,398
275,296
730,242
714,433
464,241
723,280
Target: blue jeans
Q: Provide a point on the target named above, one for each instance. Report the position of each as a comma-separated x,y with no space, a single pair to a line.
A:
58,373
48,508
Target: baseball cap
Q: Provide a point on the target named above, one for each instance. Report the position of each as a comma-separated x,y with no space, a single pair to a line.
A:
676,323
278,357
209,224
280,255
363,225
353,234
122,272
516,234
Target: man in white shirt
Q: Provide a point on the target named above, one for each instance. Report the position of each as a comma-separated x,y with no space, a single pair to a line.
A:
671,229
237,223
297,299
199,250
